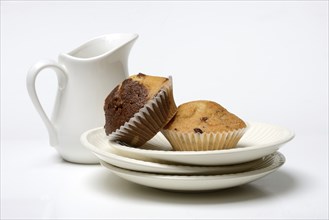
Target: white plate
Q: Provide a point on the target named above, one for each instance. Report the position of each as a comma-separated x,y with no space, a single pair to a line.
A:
260,139
96,141
199,183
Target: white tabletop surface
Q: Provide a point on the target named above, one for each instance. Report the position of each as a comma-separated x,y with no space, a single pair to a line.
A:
266,61
42,185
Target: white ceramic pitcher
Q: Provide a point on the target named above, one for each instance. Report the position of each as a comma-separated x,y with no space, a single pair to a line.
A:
86,76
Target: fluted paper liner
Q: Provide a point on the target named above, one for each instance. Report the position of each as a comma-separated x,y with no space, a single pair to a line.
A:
149,120
203,142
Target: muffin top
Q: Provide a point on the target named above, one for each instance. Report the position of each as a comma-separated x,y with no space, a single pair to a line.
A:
152,84
204,116
129,97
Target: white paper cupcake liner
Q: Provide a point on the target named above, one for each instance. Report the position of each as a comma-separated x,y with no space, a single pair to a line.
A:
149,120
203,142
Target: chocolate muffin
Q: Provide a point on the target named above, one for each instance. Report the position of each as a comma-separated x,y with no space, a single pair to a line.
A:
138,108
203,125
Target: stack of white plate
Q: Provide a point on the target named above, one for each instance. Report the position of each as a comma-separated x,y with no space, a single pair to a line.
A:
156,165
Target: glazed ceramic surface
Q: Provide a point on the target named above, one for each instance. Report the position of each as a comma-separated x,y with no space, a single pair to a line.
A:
260,139
199,182
85,77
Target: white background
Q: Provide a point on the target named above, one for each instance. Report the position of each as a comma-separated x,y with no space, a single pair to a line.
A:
265,61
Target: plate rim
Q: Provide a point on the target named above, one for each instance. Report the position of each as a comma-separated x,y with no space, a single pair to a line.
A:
273,166
139,162
147,152
180,156
252,175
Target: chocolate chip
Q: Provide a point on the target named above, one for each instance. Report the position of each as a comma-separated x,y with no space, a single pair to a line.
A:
198,130
204,118
140,75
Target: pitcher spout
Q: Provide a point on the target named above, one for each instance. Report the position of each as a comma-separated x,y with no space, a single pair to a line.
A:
101,46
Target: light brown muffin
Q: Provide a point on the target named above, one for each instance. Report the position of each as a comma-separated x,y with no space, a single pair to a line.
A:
138,108
203,125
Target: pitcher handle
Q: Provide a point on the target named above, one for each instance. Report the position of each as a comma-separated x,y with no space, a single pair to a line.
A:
30,83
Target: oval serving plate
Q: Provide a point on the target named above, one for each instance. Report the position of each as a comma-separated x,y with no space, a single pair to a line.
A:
260,139
191,183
